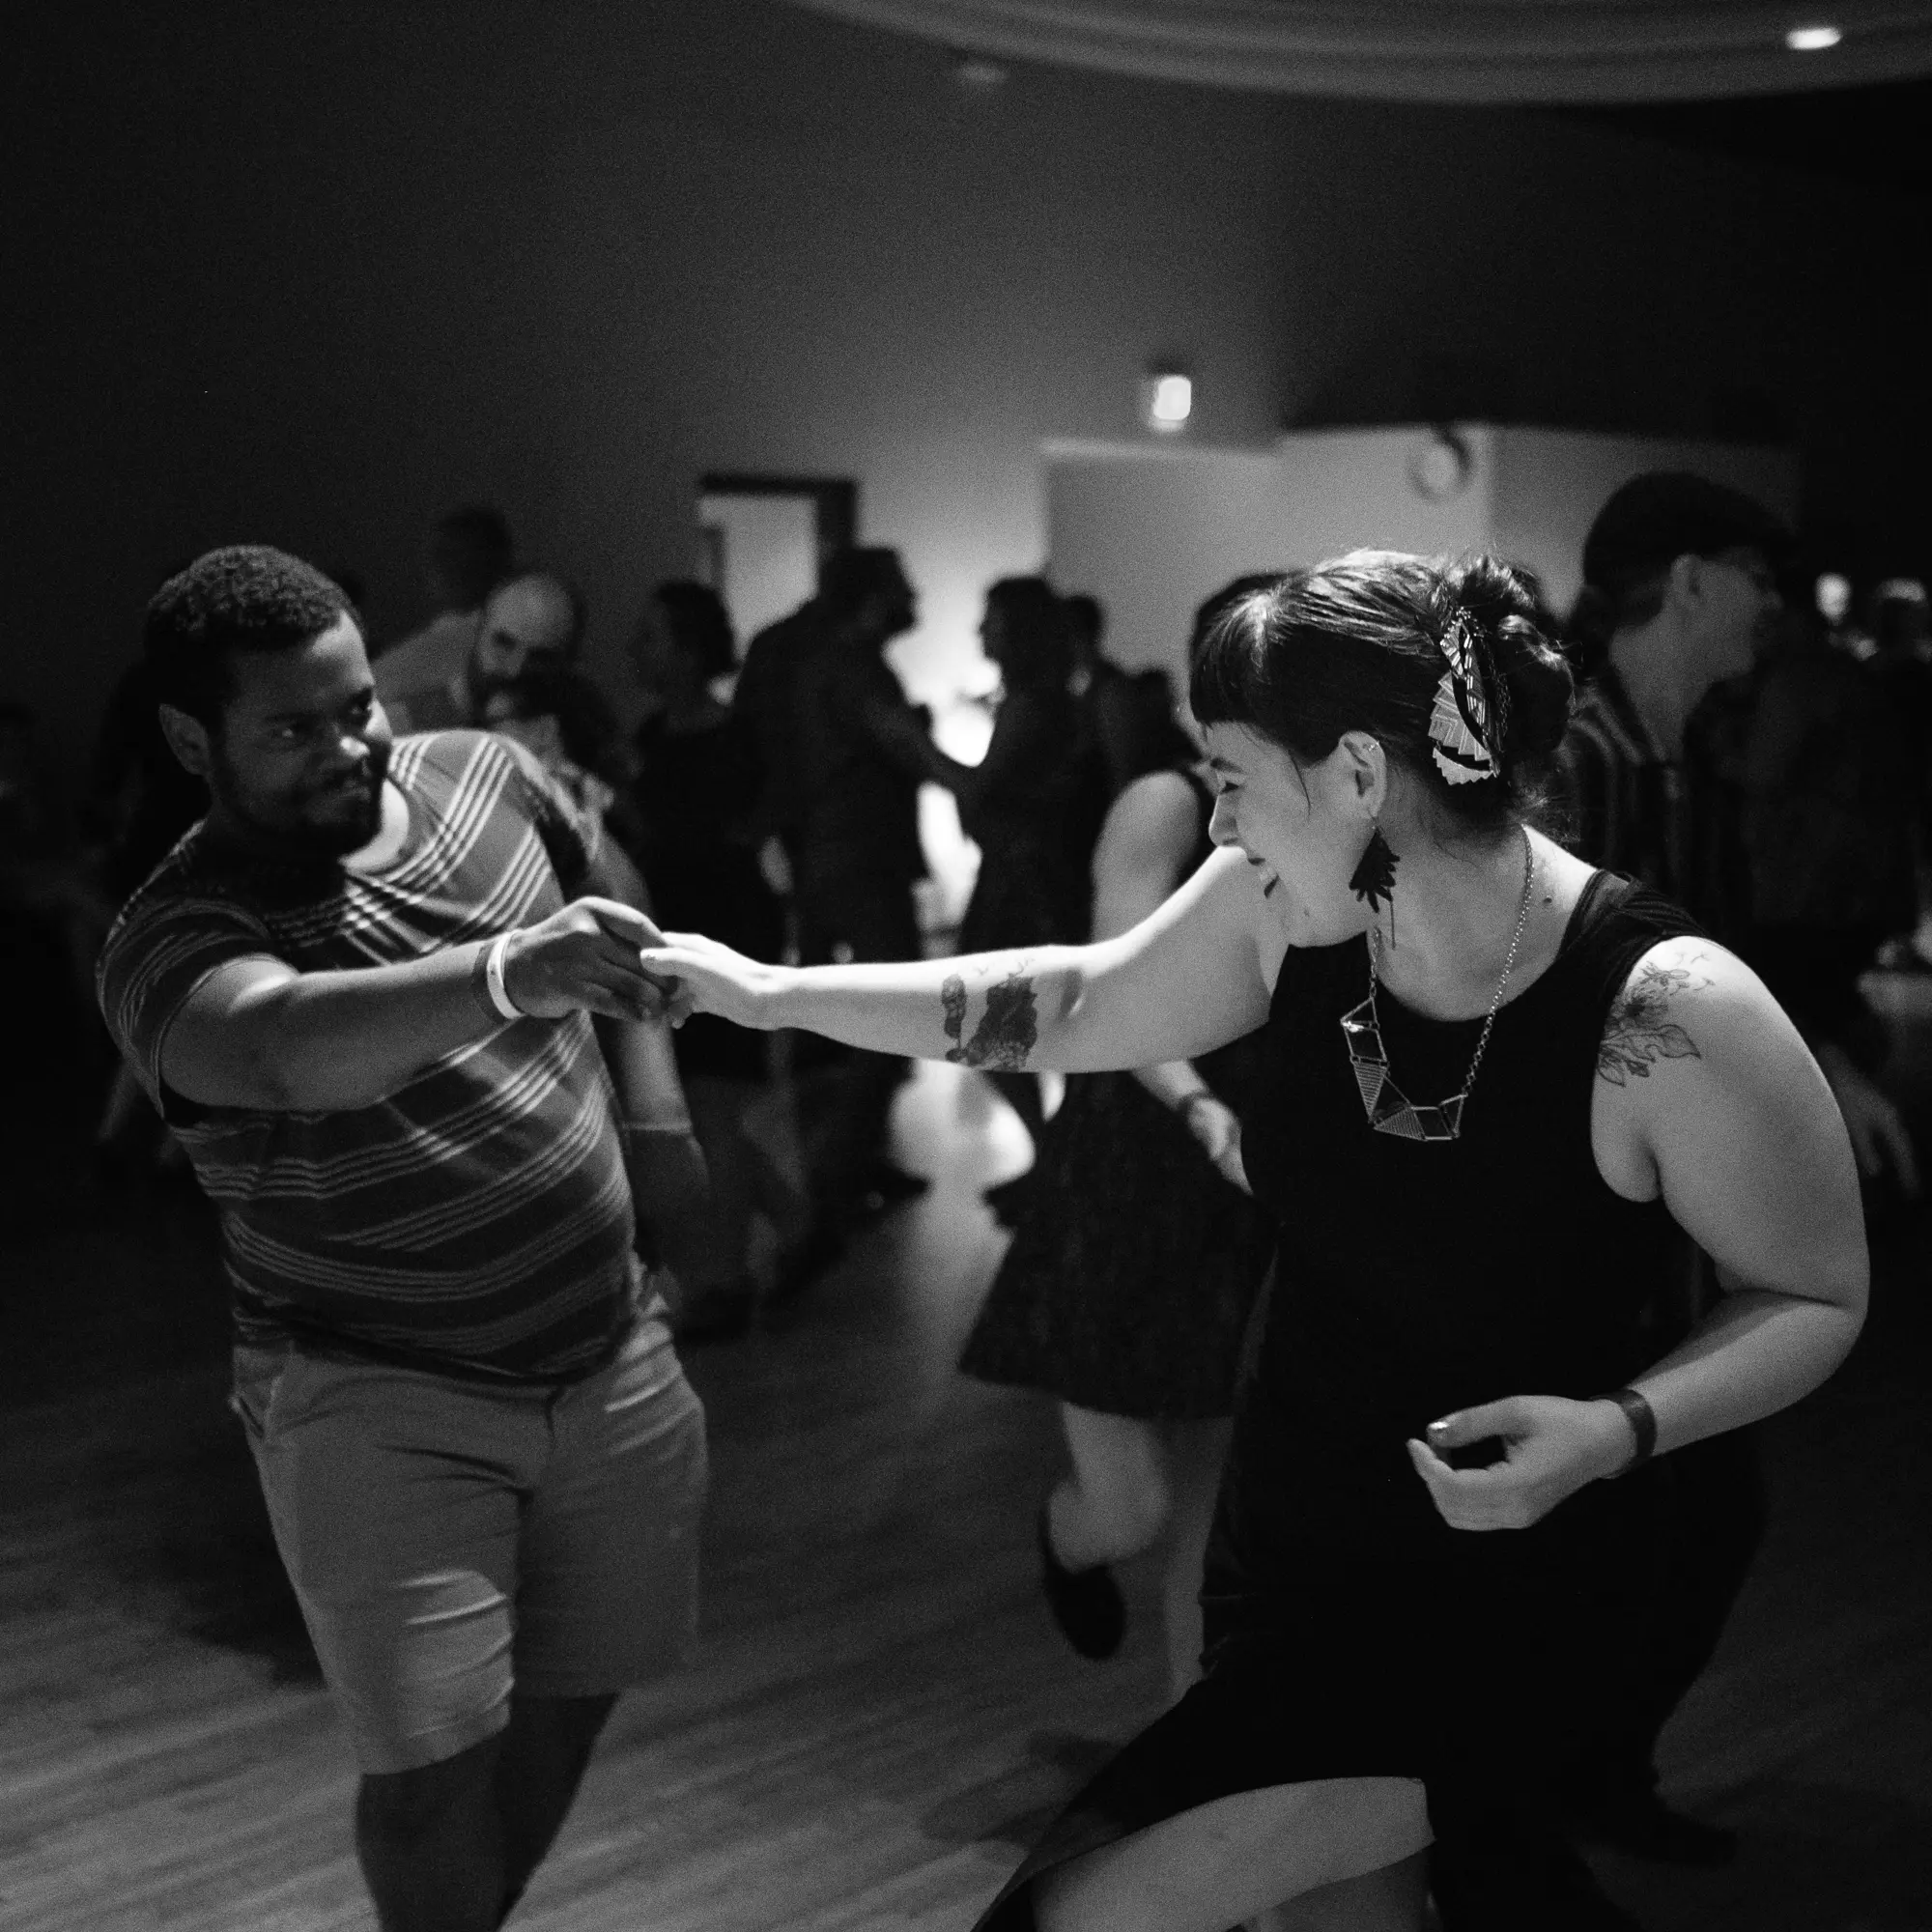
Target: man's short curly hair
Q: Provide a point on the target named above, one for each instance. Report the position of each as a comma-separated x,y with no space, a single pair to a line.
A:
244,597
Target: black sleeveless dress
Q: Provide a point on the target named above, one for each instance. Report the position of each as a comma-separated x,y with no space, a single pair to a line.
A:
1350,1632
1131,1276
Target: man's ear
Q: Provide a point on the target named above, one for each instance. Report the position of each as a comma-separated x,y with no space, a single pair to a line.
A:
1684,586
187,739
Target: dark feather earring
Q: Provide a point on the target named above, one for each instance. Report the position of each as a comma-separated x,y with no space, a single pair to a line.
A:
1374,877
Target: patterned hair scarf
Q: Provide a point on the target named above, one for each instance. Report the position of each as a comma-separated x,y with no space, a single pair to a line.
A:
1465,735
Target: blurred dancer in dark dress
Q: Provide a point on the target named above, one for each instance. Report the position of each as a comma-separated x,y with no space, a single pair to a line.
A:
1128,1286
1018,804
1496,1082
694,796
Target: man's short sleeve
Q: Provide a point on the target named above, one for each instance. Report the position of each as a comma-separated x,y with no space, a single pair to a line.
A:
572,832
158,952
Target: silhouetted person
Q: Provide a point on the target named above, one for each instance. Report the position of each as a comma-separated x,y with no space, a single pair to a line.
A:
840,753
1020,803
469,553
1102,690
694,797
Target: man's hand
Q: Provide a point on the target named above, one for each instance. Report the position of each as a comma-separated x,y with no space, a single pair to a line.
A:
1551,1447
1880,1138
584,959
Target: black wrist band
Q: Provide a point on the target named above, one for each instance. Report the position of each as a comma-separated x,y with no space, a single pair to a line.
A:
1642,1421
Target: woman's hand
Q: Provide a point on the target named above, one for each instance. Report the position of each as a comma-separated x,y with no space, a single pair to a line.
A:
1217,1127
698,976
1551,1447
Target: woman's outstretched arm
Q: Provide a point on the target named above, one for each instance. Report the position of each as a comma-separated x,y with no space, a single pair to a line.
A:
1194,976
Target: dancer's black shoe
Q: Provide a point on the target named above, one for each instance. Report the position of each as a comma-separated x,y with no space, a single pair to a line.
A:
1643,1823
1086,1603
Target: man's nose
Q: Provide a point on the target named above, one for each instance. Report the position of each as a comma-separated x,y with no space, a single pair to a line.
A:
1221,822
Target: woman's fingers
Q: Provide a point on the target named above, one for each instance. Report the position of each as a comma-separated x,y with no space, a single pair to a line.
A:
1497,1497
1507,1418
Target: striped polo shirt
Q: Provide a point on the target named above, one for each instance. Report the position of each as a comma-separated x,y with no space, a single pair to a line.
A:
476,1221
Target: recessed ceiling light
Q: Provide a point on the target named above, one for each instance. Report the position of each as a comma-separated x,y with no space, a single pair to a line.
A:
1812,39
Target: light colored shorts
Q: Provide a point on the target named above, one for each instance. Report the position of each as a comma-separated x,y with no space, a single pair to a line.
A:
448,1540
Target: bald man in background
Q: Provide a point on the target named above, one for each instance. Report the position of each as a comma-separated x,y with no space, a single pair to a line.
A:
471,552
521,678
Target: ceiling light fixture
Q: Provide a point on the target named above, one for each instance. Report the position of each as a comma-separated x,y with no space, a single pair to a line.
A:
1167,399
1812,39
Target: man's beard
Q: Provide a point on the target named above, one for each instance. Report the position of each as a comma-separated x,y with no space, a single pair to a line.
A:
298,837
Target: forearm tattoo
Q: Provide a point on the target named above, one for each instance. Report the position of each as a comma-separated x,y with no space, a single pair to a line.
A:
1008,1030
1639,1031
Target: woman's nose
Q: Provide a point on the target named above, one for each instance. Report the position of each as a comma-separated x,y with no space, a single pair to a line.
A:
1221,822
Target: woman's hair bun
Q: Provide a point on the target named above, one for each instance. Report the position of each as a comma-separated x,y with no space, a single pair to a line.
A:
1521,636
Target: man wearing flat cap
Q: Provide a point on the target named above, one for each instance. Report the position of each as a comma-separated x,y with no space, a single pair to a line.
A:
1680,606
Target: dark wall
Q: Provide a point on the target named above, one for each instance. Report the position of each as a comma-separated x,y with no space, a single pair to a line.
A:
304,275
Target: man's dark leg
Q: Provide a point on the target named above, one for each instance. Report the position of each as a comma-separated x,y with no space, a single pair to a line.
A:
545,1750
430,1843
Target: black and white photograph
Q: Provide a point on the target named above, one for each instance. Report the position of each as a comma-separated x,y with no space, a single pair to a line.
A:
970,966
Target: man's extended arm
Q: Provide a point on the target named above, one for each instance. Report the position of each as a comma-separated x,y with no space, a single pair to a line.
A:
256,1033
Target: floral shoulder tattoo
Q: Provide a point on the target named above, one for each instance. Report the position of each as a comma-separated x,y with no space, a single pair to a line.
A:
1640,1031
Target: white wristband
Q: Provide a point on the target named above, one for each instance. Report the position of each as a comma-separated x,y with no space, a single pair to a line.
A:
492,979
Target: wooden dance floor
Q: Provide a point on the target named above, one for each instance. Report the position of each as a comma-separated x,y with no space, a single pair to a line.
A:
878,1713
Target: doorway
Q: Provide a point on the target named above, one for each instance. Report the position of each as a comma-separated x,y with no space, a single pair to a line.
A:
762,540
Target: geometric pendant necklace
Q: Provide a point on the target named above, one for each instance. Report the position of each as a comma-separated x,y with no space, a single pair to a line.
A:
1389,1109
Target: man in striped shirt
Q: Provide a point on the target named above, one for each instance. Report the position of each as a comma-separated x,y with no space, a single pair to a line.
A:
362,992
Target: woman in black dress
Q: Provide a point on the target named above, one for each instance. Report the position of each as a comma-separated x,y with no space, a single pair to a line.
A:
1498,1086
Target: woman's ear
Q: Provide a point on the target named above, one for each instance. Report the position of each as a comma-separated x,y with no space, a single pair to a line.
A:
1365,770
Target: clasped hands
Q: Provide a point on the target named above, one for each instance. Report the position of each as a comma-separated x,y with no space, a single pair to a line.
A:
600,955
1552,1446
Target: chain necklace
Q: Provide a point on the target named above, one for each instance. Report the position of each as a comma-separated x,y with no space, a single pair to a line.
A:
1389,1109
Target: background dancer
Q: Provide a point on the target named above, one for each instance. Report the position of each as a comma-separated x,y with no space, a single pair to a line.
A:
360,994
693,800
1480,1130
1680,613
1127,1288
1020,803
